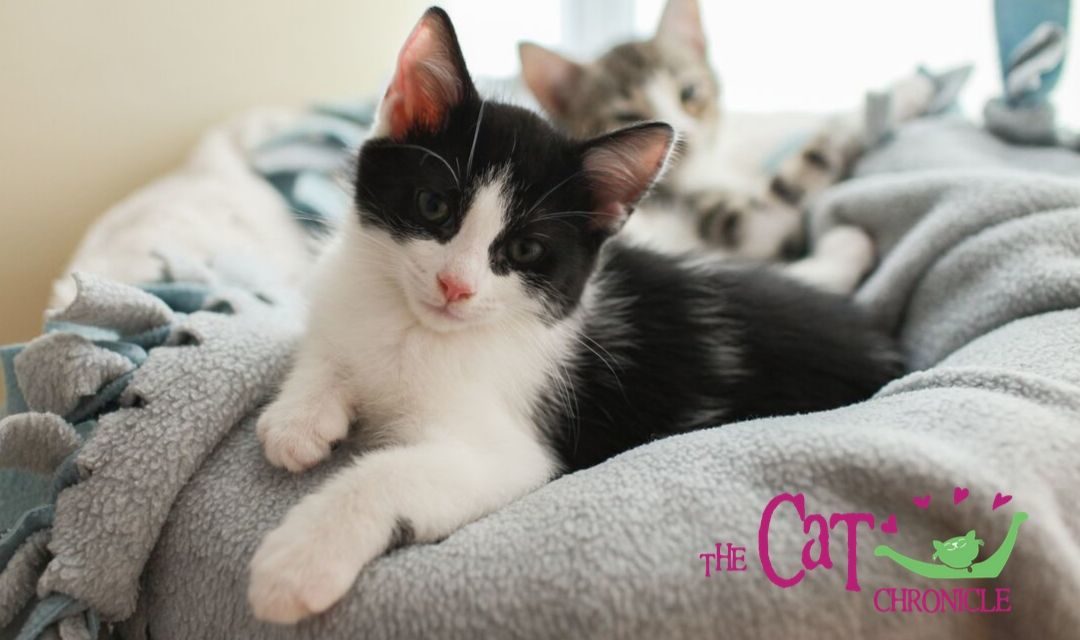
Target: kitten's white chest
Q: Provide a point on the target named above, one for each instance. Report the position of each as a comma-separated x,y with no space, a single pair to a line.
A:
419,378
402,377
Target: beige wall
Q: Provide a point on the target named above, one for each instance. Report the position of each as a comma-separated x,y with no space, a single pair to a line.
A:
97,97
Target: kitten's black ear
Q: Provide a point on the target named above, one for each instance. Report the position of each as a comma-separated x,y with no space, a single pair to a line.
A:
429,80
621,166
681,23
549,76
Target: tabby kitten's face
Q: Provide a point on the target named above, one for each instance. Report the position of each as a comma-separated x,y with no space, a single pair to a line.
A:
667,78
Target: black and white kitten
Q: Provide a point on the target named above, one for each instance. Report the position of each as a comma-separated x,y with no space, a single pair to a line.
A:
477,325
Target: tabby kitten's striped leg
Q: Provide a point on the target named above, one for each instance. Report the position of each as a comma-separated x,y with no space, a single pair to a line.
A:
840,259
764,228
830,153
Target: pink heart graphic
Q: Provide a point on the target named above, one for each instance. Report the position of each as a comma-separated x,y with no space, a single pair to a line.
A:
1000,500
922,502
889,526
959,494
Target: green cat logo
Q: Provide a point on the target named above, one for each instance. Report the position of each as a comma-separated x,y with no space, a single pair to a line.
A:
958,552
957,556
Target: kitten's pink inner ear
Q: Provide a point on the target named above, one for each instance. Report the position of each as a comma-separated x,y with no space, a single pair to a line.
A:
681,23
549,76
621,166
427,81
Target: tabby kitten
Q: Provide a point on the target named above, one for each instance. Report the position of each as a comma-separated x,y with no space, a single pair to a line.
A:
484,333
720,195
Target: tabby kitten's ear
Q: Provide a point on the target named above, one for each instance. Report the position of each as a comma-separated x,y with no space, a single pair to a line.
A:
430,79
621,166
681,23
549,76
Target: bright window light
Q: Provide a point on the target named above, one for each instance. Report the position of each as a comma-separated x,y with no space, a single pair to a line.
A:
774,55
824,55
489,31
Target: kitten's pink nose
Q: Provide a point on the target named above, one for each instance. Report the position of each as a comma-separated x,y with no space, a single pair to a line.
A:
453,288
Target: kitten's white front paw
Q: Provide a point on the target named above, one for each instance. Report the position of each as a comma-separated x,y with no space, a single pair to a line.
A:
298,436
301,568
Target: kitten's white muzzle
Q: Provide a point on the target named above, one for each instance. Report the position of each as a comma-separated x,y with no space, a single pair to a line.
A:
447,307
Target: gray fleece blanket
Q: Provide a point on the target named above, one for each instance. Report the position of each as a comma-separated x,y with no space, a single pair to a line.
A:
980,279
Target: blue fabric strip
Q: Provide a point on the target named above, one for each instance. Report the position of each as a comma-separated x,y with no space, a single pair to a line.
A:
20,491
66,475
107,396
84,330
149,338
305,162
49,611
30,522
15,403
184,297
131,351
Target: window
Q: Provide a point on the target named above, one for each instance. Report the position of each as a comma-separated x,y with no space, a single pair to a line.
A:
773,54
825,54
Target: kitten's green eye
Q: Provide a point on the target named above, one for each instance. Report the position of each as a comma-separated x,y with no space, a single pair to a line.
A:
431,206
629,117
688,93
526,251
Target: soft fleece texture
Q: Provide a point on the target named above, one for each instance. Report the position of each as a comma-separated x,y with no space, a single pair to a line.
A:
981,279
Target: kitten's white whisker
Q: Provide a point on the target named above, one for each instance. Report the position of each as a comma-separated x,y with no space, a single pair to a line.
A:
552,190
566,393
556,215
476,135
436,156
607,364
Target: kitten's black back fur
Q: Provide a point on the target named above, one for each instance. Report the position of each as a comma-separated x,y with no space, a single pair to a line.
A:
672,346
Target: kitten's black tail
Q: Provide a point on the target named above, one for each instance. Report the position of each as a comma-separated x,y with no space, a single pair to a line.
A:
806,350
